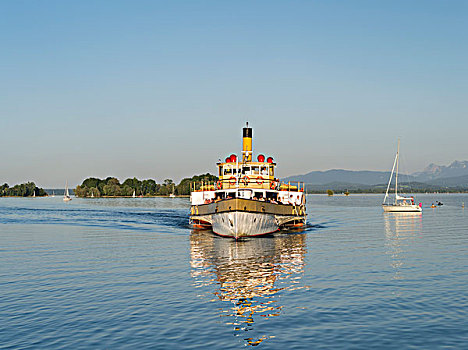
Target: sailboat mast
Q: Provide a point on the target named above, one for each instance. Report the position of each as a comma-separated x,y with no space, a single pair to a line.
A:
390,180
396,175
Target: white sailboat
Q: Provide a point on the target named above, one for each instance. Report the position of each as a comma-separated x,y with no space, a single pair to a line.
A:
172,195
134,194
66,197
400,204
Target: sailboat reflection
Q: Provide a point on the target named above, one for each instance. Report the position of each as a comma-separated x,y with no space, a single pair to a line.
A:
248,274
400,229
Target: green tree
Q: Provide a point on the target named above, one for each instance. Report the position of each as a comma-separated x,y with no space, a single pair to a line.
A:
126,190
91,182
135,184
22,190
150,187
112,189
4,190
184,187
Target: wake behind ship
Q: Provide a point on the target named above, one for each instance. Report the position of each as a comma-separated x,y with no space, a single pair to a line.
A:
247,200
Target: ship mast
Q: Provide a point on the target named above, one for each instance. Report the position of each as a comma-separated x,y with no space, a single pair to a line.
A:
396,174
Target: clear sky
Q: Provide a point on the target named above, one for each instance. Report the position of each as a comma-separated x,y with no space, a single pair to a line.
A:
162,89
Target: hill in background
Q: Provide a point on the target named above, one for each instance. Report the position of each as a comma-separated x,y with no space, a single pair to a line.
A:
432,178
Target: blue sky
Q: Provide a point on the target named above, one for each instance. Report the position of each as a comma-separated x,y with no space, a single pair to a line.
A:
162,89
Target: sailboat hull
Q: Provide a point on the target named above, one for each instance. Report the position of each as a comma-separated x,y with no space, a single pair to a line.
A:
401,208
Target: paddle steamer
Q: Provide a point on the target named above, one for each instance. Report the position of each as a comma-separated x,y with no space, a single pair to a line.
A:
247,200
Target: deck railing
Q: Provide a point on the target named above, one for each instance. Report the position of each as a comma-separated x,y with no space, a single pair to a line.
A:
254,183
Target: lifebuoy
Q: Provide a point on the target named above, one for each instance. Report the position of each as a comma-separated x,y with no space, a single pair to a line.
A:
259,180
219,185
232,183
273,185
246,180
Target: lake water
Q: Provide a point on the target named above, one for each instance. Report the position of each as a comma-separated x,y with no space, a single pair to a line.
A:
130,273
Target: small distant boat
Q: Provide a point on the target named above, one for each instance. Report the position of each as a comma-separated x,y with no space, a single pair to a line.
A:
134,194
401,204
172,195
92,194
66,197
53,194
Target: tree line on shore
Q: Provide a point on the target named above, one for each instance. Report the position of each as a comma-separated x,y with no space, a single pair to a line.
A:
111,187
28,189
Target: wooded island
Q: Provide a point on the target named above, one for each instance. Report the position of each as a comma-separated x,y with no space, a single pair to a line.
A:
28,189
111,187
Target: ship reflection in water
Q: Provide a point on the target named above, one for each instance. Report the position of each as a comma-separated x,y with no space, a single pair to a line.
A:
248,275
400,230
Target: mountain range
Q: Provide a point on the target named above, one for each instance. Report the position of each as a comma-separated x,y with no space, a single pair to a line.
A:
453,175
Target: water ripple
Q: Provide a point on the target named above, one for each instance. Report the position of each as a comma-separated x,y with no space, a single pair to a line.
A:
130,273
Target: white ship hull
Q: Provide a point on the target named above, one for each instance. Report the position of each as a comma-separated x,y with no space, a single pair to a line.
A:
401,208
241,224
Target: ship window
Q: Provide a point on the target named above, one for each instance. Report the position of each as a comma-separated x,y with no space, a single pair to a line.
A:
272,171
255,170
227,171
258,195
272,195
220,171
246,170
264,170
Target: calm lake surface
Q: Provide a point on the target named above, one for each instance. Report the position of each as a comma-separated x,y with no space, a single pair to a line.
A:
130,273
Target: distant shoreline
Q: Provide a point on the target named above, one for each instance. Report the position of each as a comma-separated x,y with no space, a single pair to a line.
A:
188,196
137,197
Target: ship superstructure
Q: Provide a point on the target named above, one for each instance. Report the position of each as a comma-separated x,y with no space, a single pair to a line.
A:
247,200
